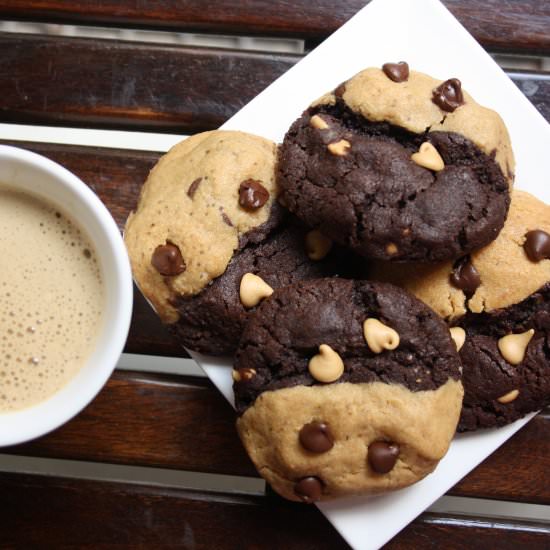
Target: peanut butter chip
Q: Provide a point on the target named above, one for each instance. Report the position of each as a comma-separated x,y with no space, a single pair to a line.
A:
339,148
317,245
428,157
243,375
379,336
508,397
391,249
253,290
317,122
327,366
513,346
458,334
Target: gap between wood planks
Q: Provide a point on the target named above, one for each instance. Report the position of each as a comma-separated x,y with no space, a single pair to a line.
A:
483,508
265,44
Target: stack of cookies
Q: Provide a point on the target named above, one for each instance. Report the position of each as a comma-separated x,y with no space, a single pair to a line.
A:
375,278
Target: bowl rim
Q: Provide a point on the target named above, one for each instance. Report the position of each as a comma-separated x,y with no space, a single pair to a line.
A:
37,420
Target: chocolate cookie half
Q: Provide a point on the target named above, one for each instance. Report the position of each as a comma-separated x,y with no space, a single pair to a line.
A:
208,241
345,387
406,170
506,359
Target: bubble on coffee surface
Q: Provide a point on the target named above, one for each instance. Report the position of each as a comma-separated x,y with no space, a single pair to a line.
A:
51,299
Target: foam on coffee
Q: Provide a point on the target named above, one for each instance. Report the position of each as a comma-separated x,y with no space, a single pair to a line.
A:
51,299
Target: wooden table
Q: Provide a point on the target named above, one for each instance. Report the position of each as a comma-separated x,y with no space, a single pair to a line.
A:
181,422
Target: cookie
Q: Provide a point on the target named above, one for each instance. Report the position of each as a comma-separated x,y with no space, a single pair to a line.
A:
208,216
407,170
506,361
498,291
345,387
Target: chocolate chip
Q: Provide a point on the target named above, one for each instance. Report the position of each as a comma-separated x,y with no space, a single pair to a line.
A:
448,96
398,72
537,245
309,489
340,90
193,188
167,260
252,194
465,276
226,218
383,456
316,437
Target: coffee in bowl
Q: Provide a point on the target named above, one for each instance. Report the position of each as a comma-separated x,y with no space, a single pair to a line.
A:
65,295
52,297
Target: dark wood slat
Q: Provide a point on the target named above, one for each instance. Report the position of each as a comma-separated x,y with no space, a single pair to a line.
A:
48,512
536,87
514,472
55,512
101,83
74,81
520,26
184,423
470,533
151,420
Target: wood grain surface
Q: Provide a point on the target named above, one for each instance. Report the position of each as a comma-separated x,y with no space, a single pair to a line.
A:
53,512
49,512
518,471
184,423
79,81
109,84
518,26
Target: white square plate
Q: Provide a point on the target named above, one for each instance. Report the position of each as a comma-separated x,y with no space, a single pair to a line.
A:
431,40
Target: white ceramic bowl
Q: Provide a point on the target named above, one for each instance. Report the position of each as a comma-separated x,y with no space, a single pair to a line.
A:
44,178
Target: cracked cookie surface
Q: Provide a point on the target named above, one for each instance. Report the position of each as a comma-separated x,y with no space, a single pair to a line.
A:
408,396
345,168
